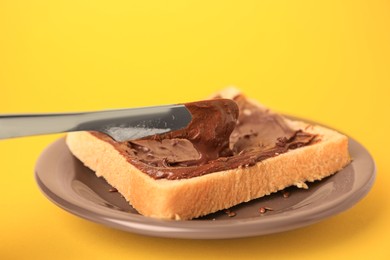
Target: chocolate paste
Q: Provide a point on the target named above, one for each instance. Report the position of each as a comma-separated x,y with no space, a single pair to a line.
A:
222,135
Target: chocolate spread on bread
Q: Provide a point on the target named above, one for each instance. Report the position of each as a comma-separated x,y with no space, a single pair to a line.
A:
222,135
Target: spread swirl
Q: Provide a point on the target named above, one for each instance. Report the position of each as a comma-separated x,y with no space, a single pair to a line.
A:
224,134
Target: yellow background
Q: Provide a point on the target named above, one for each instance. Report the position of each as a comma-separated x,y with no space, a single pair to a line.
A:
328,61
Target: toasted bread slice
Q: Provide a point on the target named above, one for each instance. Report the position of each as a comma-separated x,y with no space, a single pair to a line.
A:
189,198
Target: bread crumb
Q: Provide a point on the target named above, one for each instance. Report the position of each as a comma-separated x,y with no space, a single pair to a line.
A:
301,185
247,112
286,194
230,213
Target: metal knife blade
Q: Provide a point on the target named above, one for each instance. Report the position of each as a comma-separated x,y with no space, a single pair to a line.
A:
122,124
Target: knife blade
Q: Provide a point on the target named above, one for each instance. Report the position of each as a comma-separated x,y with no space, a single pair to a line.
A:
120,124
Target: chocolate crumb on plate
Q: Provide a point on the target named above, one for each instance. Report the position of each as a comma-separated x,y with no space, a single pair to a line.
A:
263,210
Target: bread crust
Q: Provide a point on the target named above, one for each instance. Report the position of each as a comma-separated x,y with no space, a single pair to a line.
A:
190,198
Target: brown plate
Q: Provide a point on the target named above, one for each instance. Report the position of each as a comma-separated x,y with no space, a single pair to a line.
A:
75,188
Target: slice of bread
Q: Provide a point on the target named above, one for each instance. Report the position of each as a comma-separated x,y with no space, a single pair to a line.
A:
189,198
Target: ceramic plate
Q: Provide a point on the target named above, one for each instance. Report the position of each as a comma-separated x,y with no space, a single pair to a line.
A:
75,188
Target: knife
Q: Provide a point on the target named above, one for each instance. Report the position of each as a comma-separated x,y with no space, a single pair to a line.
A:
122,124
